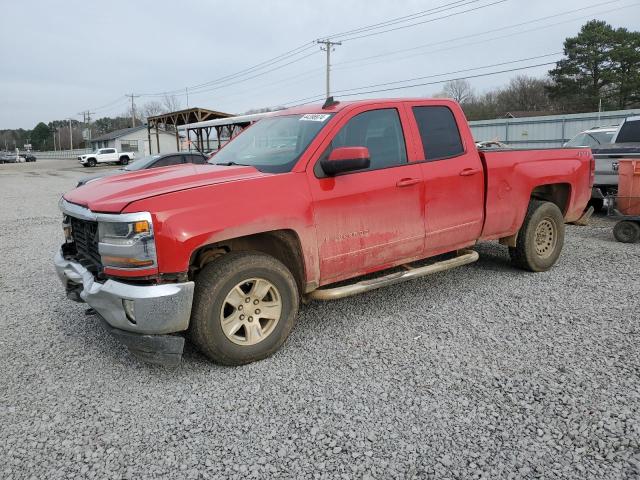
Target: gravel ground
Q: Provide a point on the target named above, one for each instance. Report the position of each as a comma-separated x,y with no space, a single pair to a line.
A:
480,372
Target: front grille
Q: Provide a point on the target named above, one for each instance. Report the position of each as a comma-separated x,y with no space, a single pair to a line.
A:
85,236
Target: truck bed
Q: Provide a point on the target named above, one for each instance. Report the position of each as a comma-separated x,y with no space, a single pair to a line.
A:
513,174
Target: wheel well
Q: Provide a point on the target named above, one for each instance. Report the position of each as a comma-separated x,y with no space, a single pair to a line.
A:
283,245
557,193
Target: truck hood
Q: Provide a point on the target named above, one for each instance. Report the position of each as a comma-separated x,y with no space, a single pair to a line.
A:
113,193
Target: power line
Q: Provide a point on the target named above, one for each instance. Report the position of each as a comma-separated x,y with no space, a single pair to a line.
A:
453,72
319,97
217,87
418,47
413,79
396,20
118,100
241,73
449,80
303,48
424,21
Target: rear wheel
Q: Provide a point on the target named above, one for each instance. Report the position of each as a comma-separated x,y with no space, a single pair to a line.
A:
626,231
91,162
245,305
540,238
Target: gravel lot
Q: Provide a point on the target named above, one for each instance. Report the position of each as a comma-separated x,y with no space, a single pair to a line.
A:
480,372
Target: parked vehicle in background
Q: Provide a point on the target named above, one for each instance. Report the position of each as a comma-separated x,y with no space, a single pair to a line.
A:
488,144
28,157
227,250
606,179
625,144
106,155
593,138
629,131
151,161
11,157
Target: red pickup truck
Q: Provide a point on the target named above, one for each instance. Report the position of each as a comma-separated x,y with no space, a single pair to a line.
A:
295,206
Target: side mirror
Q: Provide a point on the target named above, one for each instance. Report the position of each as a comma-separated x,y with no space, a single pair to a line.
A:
346,159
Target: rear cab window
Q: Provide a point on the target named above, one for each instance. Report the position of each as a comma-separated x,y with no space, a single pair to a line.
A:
438,131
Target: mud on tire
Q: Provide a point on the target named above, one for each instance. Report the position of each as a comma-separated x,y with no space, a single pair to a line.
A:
540,238
240,284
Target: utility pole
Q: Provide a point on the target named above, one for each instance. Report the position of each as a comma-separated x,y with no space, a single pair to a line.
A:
54,140
86,120
133,109
70,136
328,47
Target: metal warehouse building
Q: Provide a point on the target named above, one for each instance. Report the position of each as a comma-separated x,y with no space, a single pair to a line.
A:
545,131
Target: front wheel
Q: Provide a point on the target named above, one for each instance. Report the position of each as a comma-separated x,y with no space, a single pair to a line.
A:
626,231
540,238
91,162
124,161
245,305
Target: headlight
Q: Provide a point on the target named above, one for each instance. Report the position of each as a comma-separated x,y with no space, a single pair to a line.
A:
127,244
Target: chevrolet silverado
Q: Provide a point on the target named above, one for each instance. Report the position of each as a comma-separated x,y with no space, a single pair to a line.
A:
296,208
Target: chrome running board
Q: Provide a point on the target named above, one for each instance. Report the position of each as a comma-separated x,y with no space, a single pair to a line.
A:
464,257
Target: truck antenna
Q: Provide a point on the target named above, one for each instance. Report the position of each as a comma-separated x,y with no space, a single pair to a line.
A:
329,102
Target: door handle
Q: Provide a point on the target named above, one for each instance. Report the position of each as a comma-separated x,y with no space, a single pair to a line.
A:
469,171
407,182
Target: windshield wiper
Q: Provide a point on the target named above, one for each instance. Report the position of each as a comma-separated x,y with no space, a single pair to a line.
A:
229,164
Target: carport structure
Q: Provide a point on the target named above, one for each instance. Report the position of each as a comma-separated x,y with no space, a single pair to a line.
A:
226,126
184,117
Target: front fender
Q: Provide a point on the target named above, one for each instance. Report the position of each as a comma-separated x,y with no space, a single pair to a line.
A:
187,220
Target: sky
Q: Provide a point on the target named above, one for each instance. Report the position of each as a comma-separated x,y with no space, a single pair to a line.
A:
58,59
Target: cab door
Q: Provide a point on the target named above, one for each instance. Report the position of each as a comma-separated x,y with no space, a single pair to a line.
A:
453,177
368,219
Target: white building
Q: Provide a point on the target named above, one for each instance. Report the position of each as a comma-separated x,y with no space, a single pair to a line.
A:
136,140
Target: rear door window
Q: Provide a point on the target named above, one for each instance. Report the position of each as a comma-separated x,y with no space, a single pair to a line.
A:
439,132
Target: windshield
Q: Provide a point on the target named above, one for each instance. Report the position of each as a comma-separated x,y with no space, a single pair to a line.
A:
141,163
591,139
274,144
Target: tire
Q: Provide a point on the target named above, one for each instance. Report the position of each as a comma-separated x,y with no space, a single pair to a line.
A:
626,231
540,238
219,289
91,162
124,161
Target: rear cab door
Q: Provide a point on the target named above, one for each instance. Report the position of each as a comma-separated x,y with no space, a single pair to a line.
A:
454,178
369,219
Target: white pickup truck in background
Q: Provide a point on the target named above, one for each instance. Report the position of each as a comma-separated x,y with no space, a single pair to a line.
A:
106,155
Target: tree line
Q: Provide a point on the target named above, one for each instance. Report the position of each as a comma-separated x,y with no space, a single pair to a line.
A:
600,70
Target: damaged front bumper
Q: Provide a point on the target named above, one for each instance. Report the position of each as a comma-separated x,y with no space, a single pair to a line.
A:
143,317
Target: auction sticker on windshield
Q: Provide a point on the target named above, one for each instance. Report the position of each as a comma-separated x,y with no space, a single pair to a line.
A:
315,117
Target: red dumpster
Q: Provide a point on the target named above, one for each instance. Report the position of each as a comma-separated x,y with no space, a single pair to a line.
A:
629,186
